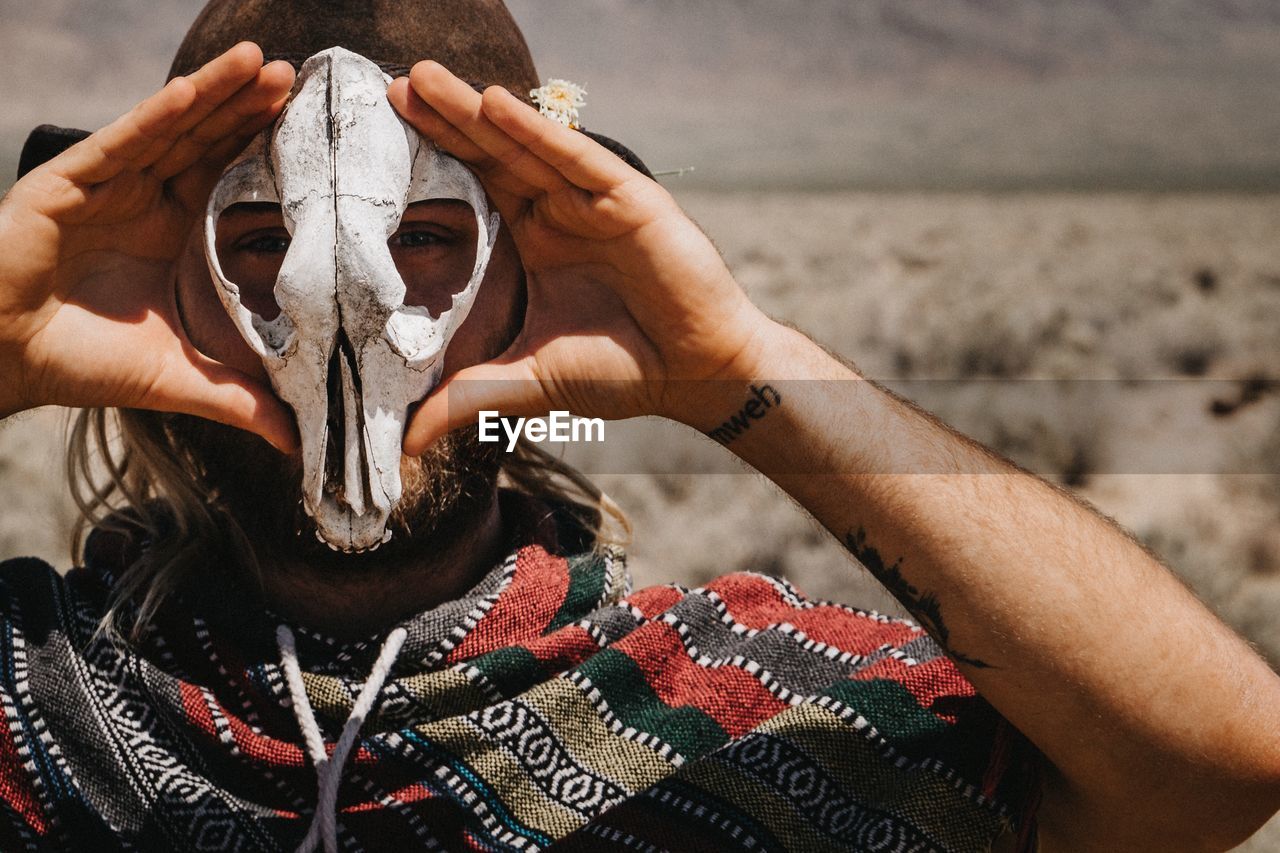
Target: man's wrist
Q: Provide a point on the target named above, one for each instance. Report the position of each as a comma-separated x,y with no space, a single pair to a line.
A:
749,389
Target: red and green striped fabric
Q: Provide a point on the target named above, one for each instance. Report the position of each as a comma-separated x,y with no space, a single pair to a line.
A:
549,708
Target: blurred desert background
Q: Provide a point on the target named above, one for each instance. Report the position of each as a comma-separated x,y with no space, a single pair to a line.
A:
1054,225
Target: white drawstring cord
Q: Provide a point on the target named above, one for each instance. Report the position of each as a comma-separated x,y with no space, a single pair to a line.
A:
298,693
324,823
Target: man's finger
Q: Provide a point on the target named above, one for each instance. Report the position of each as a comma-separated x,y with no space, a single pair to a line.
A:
133,140
509,388
258,100
580,159
216,83
192,187
196,385
116,147
506,190
226,149
431,124
460,105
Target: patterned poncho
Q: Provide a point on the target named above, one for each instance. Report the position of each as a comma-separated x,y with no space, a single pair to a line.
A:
549,707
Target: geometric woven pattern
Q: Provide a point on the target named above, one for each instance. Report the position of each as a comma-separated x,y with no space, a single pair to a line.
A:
549,708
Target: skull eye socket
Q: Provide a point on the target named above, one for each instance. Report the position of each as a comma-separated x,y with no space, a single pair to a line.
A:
434,250
251,242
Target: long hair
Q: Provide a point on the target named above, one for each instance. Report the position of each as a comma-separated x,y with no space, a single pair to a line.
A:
128,474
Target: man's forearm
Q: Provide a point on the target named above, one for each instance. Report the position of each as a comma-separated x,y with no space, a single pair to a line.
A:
1074,632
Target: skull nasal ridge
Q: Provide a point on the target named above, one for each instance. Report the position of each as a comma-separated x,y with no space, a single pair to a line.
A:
346,462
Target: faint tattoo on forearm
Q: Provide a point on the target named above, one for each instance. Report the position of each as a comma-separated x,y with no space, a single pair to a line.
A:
763,398
924,606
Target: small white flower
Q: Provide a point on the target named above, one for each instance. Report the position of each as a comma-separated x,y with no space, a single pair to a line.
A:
559,100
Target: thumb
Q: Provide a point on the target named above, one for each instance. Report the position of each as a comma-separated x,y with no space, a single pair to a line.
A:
510,388
209,389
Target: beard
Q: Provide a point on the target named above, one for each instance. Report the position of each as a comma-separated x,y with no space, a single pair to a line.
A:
447,493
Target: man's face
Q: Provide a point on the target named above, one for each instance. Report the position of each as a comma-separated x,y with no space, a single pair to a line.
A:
434,250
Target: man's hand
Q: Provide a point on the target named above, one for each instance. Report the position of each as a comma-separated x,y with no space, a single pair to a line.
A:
90,239
625,293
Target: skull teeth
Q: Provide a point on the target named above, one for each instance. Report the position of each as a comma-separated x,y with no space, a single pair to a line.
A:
386,537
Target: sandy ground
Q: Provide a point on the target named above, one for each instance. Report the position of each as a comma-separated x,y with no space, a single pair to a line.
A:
1118,344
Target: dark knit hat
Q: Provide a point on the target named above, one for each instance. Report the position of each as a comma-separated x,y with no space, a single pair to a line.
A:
477,40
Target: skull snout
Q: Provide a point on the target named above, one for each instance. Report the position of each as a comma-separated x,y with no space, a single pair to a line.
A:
367,290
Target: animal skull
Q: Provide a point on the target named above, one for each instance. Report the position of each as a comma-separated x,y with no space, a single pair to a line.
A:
345,352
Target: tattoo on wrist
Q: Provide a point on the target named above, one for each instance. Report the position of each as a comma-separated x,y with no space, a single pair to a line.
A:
762,400
923,606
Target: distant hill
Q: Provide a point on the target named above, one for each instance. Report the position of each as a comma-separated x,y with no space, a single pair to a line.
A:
894,94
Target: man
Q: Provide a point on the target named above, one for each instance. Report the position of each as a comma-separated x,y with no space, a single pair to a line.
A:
483,681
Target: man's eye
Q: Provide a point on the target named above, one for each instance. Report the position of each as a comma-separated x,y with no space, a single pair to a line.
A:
266,244
418,238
